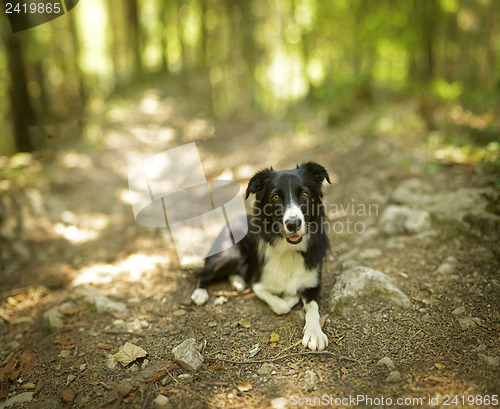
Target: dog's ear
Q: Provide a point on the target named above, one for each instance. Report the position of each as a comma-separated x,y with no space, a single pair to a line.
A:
316,172
258,182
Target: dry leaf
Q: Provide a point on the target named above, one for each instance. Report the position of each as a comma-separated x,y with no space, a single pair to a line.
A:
439,366
67,395
255,349
104,346
129,353
275,337
220,368
244,386
344,370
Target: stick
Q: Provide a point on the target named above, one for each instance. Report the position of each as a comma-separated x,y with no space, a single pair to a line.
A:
260,361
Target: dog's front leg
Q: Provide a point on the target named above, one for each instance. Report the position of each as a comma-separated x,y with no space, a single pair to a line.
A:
279,305
314,338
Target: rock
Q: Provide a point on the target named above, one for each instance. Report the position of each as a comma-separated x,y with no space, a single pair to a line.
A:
161,400
311,379
468,322
18,399
187,355
489,360
459,310
102,303
265,369
484,224
53,318
394,376
421,239
359,284
65,354
410,191
387,362
111,362
396,220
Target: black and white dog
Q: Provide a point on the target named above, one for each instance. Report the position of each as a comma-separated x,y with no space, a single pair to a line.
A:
282,254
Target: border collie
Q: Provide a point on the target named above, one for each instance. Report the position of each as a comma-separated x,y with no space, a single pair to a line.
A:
282,254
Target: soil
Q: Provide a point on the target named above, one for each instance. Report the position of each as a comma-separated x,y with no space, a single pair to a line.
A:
85,235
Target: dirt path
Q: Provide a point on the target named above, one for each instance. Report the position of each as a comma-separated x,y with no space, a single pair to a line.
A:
445,346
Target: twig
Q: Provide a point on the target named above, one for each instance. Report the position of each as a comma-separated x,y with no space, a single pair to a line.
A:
260,361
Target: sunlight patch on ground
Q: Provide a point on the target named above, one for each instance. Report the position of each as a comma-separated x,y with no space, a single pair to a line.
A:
81,228
73,159
134,268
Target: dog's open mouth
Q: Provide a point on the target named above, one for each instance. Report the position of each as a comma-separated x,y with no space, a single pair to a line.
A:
295,239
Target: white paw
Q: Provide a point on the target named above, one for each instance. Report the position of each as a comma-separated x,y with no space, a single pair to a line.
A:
237,282
314,338
200,296
292,300
280,306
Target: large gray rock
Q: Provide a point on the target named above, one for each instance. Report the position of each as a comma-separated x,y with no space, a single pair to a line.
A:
396,220
187,355
360,284
410,191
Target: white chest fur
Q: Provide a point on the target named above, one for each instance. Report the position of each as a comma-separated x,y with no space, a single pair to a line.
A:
284,271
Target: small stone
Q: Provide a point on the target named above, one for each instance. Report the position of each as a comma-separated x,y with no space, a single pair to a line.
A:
467,323
102,303
221,300
310,380
265,369
481,348
394,376
187,355
280,403
161,400
111,362
211,324
387,362
185,376
489,360
458,311
65,353
54,318
445,268
82,367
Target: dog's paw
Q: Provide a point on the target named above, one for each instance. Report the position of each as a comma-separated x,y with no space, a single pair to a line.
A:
292,300
200,296
280,306
314,338
237,282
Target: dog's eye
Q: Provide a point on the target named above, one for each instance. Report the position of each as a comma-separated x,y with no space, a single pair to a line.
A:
275,197
304,195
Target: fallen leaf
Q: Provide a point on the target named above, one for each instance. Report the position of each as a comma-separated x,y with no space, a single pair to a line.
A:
220,368
439,366
344,370
104,346
255,350
245,323
70,379
244,386
275,337
129,353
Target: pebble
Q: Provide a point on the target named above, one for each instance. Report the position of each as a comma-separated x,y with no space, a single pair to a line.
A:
310,380
18,399
394,376
65,353
387,362
468,322
161,400
280,403
221,300
187,355
265,369
458,311
111,362
489,360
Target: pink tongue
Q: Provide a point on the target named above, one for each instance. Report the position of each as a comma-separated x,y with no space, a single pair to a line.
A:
293,238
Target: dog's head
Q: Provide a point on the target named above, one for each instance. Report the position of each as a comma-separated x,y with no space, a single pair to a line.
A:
288,202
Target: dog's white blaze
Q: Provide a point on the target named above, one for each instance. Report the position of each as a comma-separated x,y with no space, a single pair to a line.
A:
284,271
292,212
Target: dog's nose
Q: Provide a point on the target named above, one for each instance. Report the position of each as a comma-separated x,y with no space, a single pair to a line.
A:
293,225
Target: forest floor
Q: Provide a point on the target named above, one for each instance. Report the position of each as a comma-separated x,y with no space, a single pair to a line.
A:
75,249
